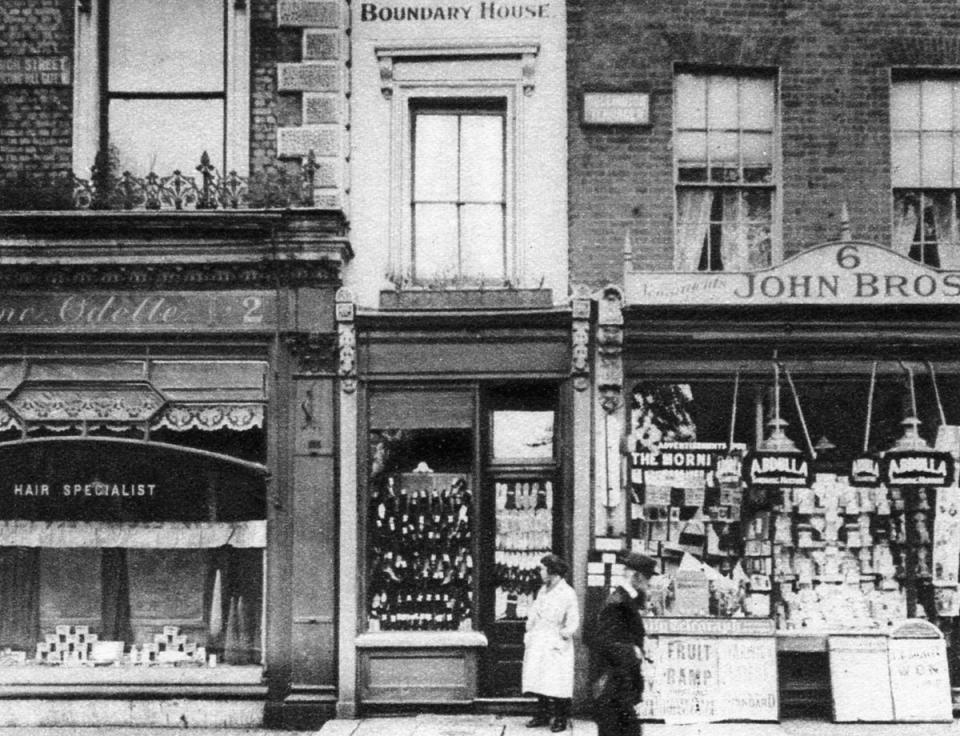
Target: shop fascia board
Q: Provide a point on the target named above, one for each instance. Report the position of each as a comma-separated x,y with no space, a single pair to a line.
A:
216,236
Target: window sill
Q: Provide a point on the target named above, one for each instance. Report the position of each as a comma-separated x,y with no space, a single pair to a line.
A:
465,299
421,640
135,676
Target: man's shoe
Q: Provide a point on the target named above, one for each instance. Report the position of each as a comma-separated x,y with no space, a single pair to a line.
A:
559,724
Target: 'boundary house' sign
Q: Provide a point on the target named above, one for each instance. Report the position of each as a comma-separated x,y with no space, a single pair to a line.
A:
850,272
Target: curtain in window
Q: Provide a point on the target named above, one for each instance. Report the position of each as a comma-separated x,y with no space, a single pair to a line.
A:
115,604
946,224
693,223
19,598
904,223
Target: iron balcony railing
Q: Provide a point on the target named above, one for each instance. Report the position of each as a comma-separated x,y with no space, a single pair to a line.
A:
207,190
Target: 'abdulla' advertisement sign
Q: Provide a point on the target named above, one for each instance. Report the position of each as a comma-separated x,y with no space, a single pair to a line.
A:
767,469
917,468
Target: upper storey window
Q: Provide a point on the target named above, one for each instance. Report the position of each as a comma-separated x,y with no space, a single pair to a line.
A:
725,171
925,169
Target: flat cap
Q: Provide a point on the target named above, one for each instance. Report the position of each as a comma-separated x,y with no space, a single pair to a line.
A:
641,563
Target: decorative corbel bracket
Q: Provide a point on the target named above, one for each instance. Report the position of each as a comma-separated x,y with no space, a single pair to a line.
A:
347,340
385,62
529,72
610,347
581,310
313,352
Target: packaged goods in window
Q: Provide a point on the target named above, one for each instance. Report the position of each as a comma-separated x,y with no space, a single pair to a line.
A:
421,559
524,534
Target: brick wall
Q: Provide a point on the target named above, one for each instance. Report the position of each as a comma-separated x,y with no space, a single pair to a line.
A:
35,120
833,58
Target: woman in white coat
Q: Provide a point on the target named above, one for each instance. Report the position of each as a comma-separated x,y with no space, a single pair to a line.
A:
552,621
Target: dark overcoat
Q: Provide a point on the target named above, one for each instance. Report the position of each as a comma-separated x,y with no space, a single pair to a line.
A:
617,631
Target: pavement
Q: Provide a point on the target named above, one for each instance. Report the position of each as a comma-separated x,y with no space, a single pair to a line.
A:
492,725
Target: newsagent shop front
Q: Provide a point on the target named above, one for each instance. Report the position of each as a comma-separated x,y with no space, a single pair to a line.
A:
790,460
152,464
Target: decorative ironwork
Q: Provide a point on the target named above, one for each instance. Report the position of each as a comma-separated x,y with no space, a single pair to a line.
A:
314,353
207,190
347,340
610,348
85,6
581,306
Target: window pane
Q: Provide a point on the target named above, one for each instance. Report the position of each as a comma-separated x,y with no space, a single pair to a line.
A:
936,160
482,237
166,46
905,161
756,204
936,101
435,158
722,102
723,147
691,94
691,147
756,103
481,158
905,106
165,135
435,241
757,148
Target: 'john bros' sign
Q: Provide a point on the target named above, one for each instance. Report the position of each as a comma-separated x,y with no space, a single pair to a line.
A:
834,273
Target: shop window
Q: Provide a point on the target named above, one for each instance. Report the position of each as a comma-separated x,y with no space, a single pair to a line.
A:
823,558
160,82
925,169
458,207
726,171
421,530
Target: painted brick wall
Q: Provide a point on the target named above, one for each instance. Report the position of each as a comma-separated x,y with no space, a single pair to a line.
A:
35,120
833,58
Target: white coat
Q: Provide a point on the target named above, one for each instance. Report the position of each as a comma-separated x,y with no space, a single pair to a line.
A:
548,644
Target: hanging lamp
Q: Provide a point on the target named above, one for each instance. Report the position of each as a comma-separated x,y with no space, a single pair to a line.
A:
911,461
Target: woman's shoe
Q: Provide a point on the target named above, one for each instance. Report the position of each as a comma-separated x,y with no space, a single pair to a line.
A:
538,721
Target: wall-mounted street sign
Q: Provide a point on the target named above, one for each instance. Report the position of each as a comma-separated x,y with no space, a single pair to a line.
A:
833,273
35,71
616,108
925,468
766,469
865,472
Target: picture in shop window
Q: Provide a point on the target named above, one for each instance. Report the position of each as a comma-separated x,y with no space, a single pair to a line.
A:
154,558
725,171
817,557
421,527
925,169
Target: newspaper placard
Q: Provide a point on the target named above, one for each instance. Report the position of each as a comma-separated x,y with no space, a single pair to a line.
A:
919,679
860,679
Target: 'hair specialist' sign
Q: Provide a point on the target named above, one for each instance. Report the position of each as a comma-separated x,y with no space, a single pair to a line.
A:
846,273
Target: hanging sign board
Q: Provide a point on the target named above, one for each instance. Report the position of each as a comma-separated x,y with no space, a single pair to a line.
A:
860,679
766,469
865,472
919,678
918,468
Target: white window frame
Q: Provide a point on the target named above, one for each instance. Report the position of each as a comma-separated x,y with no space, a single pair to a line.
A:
475,82
87,89
926,192
776,183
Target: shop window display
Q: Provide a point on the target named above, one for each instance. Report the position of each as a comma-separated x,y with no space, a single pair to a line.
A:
156,560
820,557
421,527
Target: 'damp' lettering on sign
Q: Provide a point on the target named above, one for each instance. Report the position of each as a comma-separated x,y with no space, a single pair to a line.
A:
488,10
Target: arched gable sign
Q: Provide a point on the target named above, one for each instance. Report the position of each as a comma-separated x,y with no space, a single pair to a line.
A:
113,479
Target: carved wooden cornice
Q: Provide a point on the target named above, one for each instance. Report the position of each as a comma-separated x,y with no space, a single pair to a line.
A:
166,276
313,352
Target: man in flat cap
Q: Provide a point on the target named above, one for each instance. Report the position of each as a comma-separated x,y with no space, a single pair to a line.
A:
617,644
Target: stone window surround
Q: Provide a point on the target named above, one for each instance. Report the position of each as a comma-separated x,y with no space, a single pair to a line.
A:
513,88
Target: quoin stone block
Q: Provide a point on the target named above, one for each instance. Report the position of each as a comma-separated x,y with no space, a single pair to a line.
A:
308,13
320,108
313,76
324,45
323,140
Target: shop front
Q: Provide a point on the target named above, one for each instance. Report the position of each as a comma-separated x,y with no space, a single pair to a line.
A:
465,474
790,461
166,434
